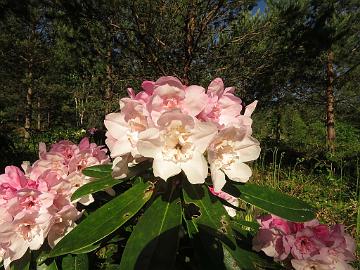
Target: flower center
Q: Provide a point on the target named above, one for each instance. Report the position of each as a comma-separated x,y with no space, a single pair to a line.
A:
177,146
224,153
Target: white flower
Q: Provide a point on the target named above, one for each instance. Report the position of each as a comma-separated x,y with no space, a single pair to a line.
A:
178,144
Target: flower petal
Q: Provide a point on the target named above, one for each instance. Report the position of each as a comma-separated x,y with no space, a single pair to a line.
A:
218,178
196,169
238,171
165,169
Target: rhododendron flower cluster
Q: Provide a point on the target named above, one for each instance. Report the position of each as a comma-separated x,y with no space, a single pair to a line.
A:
35,204
184,129
308,245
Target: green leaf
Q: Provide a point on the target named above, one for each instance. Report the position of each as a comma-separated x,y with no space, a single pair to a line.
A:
46,266
213,217
247,260
215,220
86,249
105,220
75,262
98,171
275,202
23,263
245,228
95,186
154,241
104,179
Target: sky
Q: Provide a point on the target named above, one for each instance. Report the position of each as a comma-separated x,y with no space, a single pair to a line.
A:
261,5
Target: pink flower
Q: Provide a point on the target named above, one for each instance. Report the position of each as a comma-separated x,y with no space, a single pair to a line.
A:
227,154
229,198
170,94
312,245
272,243
124,128
305,244
178,144
223,106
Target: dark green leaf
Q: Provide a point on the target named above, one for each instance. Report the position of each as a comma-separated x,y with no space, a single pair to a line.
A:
153,243
94,186
98,171
105,220
247,225
247,260
75,262
277,203
47,266
86,249
212,217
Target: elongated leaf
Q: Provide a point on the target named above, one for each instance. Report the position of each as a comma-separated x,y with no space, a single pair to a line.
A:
104,221
86,249
276,202
98,171
47,266
213,216
104,179
215,220
95,186
153,243
75,262
247,260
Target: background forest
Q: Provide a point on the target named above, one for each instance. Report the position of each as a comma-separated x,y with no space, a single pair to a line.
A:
65,64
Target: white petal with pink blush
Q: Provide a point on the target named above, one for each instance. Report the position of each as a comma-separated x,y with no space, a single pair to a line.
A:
227,154
178,144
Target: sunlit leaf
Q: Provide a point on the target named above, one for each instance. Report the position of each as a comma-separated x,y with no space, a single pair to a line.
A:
104,221
94,186
98,171
275,202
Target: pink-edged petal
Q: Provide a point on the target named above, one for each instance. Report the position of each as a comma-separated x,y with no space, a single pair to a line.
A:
203,134
169,80
131,93
218,178
250,108
238,171
195,169
84,144
165,169
195,100
175,115
148,86
216,87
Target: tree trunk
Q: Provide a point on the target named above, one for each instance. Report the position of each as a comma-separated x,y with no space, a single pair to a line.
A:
38,114
28,108
330,102
109,83
189,43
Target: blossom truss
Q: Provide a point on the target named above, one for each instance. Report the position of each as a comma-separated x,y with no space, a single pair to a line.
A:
183,129
308,245
35,203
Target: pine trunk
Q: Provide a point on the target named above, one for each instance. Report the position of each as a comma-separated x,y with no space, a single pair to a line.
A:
28,108
109,86
38,114
330,102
